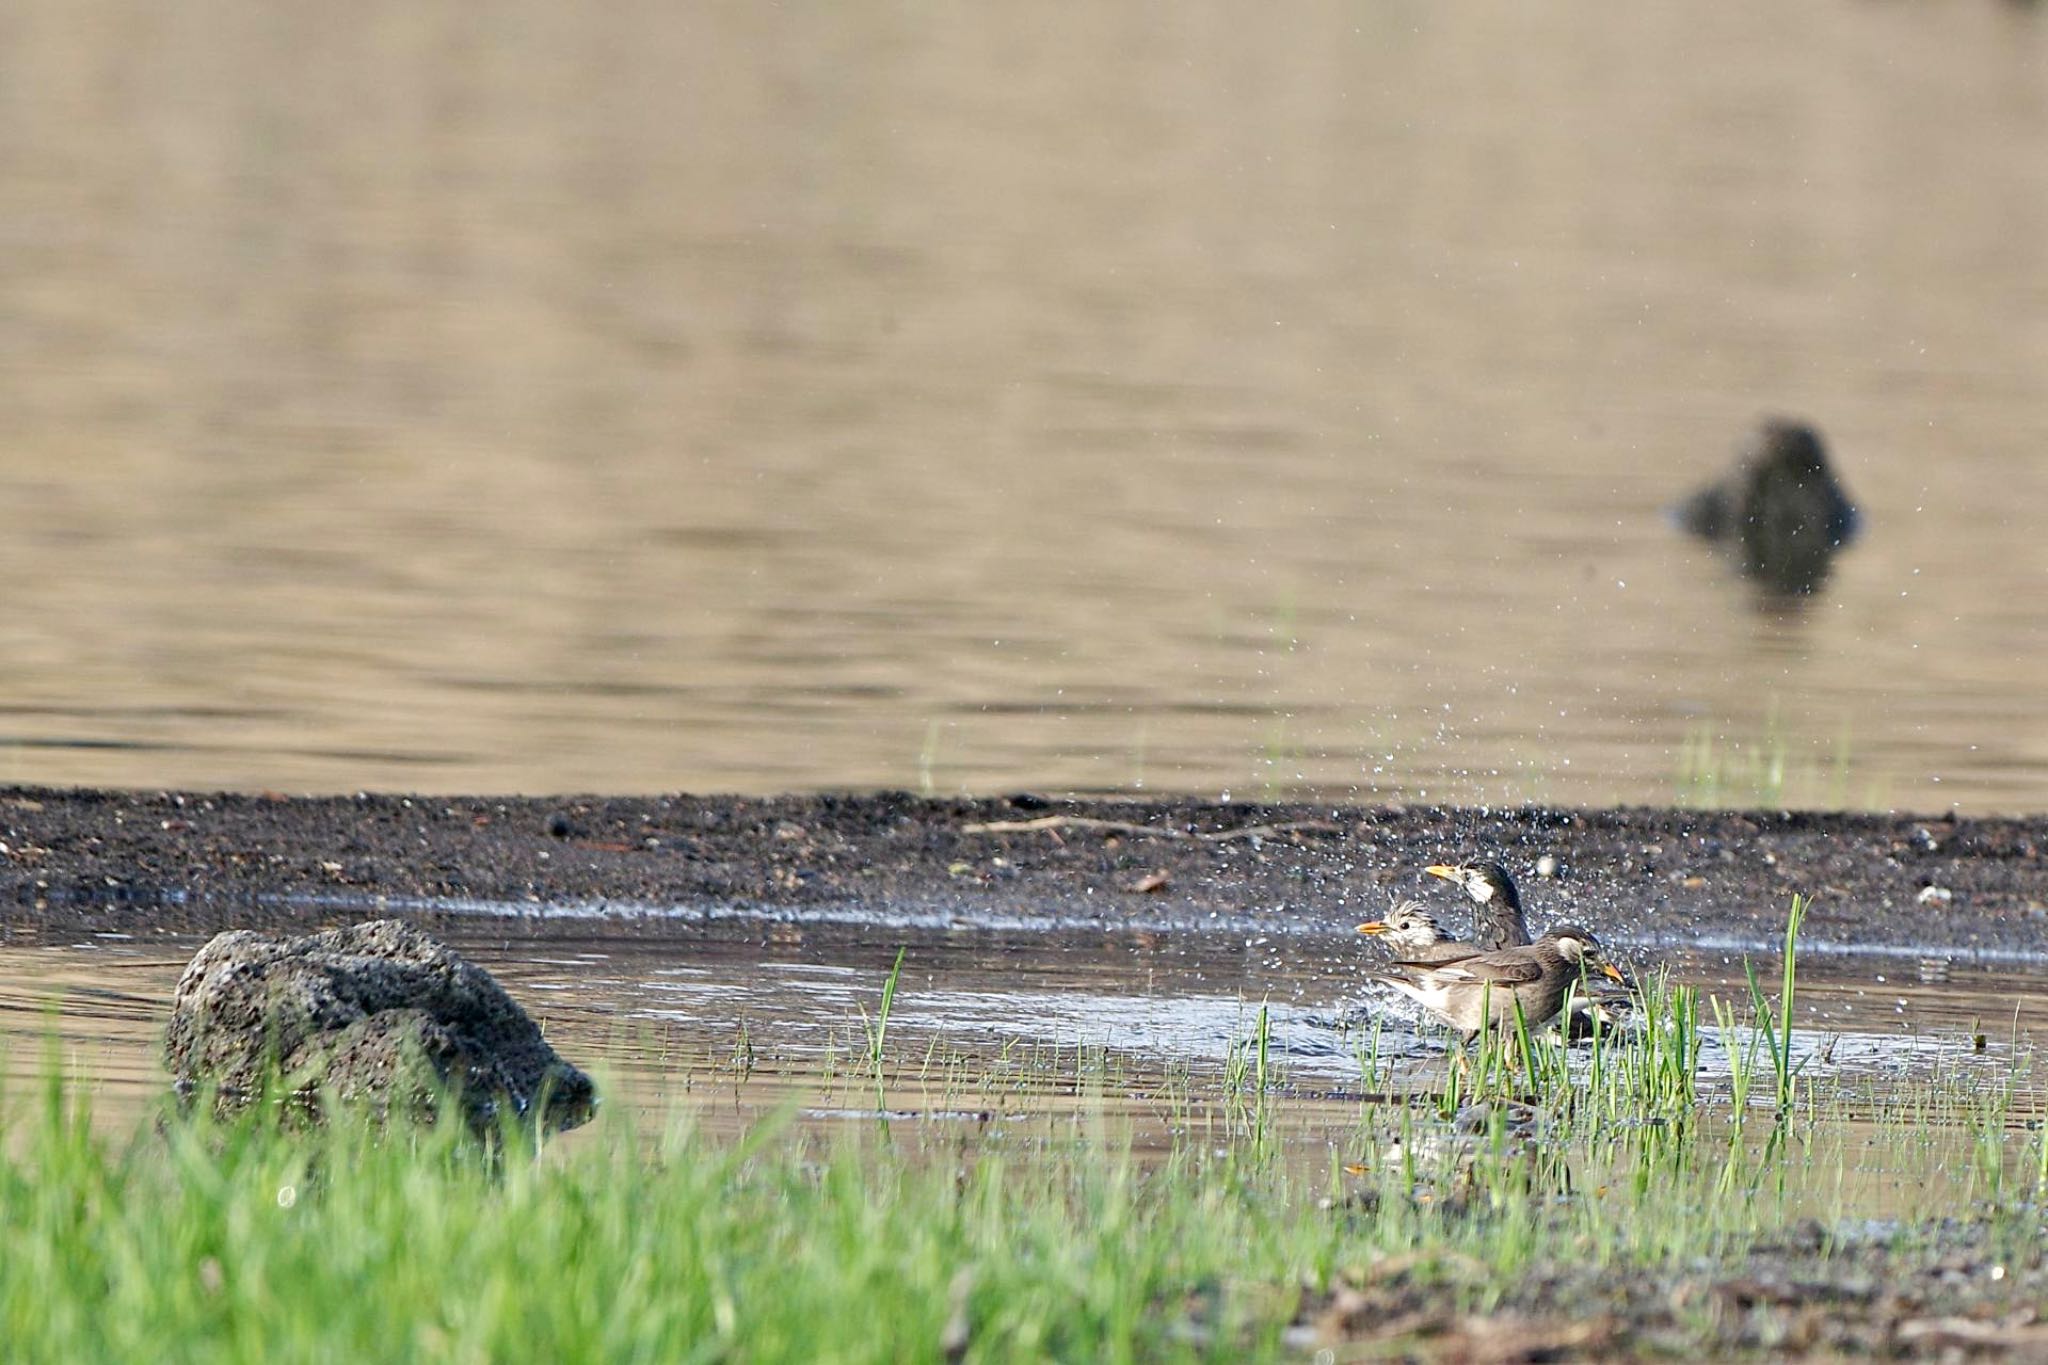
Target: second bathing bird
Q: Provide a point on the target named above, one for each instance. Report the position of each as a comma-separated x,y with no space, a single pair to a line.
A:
1497,922
1413,935
1482,990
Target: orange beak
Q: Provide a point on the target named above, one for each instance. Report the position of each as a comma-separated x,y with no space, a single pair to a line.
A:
1372,927
1447,871
1613,972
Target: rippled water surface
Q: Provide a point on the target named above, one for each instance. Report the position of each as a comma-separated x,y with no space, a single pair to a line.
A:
640,397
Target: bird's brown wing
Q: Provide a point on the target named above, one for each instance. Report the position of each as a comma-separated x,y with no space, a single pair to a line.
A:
1437,954
1499,969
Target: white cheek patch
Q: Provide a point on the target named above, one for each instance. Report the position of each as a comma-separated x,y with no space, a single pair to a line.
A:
1482,890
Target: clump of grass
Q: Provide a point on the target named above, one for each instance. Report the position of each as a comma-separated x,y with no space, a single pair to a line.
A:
1373,1074
1644,1073
1776,1029
230,1243
1713,771
1652,1071
927,758
877,1029
1248,1080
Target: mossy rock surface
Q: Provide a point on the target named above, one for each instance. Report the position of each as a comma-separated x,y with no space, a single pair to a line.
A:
376,1015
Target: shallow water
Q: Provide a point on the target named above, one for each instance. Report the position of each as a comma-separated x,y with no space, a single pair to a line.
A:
638,397
728,1021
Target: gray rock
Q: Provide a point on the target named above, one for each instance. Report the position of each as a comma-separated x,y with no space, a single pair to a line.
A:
376,1014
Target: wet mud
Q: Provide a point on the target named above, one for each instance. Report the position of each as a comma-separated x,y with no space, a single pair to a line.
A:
192,862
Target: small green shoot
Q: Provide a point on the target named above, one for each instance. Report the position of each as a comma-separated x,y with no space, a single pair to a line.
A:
877,1029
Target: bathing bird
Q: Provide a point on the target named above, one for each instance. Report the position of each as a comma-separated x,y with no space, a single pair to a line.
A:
1498,921
1474,993
1414,936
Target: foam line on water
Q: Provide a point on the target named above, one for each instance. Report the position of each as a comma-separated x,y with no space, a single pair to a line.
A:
946,919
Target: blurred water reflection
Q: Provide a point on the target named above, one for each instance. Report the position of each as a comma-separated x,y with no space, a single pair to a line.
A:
424,396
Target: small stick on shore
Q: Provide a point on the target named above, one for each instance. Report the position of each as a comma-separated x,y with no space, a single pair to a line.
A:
1054,823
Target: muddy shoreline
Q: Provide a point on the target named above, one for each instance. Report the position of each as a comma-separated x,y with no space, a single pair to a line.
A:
122,861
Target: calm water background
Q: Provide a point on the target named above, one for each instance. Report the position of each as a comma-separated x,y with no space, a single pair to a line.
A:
635,397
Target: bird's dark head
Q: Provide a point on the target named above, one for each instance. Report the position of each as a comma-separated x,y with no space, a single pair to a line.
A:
1483,882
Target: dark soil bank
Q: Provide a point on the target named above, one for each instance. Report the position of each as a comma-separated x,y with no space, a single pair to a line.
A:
116,860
